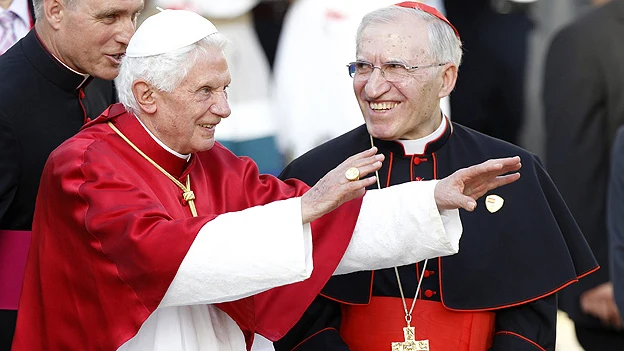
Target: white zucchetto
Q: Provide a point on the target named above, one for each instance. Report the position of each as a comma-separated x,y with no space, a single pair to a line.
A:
167,31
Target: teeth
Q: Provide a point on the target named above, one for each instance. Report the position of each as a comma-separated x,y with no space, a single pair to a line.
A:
209,126
383,105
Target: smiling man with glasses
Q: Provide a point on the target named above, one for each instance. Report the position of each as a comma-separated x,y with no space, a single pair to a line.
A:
521,244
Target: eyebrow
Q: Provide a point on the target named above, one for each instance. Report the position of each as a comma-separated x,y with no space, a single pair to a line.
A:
116,11
392,60
401,61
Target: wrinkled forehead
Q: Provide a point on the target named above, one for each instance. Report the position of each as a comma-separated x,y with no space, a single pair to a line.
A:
210,68
404,40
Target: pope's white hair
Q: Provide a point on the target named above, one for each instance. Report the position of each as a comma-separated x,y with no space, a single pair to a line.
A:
444,46
164,72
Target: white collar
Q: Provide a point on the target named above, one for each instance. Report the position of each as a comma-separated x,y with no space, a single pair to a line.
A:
418,146
170,150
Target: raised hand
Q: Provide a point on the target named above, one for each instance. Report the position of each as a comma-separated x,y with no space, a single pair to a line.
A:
462,188
334,188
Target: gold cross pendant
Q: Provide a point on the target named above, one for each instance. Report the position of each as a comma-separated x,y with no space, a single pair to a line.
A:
410,344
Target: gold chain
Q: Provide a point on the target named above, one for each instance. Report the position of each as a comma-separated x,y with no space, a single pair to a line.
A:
408,314
187,194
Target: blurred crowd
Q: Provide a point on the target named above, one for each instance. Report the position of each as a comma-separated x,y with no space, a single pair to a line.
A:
547,75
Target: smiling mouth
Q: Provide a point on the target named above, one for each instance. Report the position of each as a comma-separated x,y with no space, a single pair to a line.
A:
208,126
382,106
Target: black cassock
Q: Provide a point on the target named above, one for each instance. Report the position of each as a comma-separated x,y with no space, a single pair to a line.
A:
510,265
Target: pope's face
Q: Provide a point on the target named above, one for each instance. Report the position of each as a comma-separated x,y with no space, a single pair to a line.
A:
93,35
407,108
185,119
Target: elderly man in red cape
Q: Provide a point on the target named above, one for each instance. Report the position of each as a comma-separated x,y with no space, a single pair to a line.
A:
149,235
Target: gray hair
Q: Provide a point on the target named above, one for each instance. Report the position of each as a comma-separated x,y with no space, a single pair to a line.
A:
164,72
444,45
38,7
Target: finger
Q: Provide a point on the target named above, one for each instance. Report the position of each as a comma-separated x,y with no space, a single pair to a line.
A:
468,203
511,167
507,162
502,180
357,185
368,169
368,160
493,166
366,153
462,201
476,191
490,180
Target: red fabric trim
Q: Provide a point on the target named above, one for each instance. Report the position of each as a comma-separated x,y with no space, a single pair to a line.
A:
588,273
521,337
81,96
311,336
389,169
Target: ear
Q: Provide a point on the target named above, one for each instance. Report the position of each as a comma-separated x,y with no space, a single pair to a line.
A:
449,78
54,11
145,96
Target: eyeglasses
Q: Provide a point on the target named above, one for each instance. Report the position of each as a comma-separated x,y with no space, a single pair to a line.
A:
392,72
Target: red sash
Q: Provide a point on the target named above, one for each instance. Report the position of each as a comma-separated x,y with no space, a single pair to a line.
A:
375,326
13,252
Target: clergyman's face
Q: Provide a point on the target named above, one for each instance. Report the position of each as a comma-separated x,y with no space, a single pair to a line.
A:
408,108
94,34
186,118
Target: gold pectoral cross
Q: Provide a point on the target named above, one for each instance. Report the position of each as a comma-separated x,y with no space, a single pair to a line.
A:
410,344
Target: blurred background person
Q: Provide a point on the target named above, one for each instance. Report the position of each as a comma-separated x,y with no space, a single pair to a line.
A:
268,17
489,95
615,219
583,96
250,130
17,17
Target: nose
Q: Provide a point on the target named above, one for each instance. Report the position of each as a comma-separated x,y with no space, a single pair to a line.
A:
127,27
376,85
221,107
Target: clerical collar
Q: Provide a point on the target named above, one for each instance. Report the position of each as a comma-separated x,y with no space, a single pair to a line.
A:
418,146
83,75
186,157
49,66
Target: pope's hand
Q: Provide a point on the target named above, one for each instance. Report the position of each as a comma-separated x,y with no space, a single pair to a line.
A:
334,188
462,188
